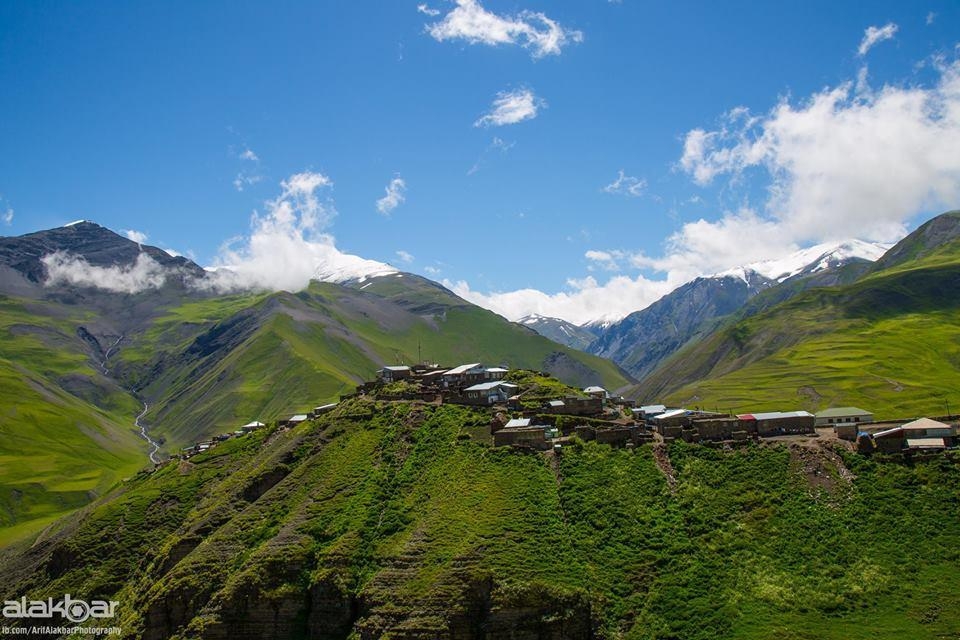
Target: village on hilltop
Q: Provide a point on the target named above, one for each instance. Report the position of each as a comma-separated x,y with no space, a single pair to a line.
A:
534,411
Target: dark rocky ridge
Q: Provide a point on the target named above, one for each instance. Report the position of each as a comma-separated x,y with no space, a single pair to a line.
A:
99,246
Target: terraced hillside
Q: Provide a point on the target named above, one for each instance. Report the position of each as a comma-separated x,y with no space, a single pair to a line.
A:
399,520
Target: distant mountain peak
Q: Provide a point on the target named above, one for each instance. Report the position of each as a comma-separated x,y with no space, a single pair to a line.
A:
559,330
819,257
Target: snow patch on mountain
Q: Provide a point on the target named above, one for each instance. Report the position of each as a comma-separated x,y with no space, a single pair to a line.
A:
811,260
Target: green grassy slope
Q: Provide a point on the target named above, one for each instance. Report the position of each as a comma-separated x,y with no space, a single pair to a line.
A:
209,366
889,343
66,432
382,519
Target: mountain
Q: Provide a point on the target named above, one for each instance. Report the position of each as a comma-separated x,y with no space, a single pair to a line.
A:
566,333
125,328
644,339
391,519
887,342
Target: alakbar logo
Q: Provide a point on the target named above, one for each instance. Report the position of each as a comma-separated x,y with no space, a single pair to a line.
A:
75,611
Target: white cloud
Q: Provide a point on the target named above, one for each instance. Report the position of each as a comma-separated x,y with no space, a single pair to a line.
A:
287,246
248,154
931,17
145,273
405,257
585,300
532,30
394,196
137,236
497,144
626,185
511,107
433,271
422,8
8,216
245,179
874,35
845,164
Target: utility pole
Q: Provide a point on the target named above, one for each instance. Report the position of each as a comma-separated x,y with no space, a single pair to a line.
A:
419,357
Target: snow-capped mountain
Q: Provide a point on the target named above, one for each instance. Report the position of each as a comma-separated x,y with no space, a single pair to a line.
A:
566,333
811,260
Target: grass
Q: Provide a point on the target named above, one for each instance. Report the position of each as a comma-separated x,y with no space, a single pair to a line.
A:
420,527
888,343
58,450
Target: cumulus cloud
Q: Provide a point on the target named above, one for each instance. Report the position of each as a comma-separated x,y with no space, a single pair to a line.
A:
874,35
394,196
8,216
844,164
511,107
626,185
423,8
287,246
137,236
404,256
585,300
532,30
145,273
248,154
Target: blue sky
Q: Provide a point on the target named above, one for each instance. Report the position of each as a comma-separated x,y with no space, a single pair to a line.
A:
179,119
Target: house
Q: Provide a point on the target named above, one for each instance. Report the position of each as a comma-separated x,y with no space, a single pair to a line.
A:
715,428
927,428
495,373
889,440
596,392
326,408
672,418
252,426
554,406
519,433
464,375
573,406
778,423
394,373
843,415
293,421
648,411
487,393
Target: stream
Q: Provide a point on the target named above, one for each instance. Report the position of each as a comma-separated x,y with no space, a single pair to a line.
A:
154,445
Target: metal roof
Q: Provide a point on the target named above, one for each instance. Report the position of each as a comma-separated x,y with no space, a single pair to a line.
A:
498,370
673,413
517,423
254,424
397,367
487,386
594,389
924,423
300,417
888,432
839,412
556,403
456,371
775,415
926,443
653,408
